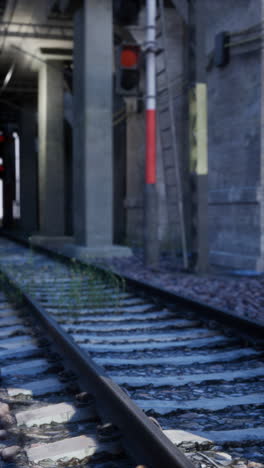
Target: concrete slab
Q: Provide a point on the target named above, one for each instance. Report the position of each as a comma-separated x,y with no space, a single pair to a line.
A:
132,301
86,253
46,282
187,379
99,310
50,241
132,326
17,341
65,246
212,404
60,413
36,388
9,321
67,304
76,447
7,331
149,337
35,366
7,311
177,436
92,298
227,356
66,282
115,348
20,352
86,283
120,318
200,343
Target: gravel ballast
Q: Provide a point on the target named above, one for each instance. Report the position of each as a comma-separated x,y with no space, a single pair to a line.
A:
241,295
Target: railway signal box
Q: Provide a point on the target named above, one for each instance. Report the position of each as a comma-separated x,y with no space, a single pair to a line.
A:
128,70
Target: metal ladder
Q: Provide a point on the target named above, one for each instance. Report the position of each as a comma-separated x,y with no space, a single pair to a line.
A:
168,139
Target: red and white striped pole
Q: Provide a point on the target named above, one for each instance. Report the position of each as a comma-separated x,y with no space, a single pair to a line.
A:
151,92
151,224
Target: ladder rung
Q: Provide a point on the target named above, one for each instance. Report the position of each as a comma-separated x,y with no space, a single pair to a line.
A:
165,129
163,109
162,90
167,148
160,72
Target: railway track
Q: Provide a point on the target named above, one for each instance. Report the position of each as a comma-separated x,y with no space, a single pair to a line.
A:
201,382
43,413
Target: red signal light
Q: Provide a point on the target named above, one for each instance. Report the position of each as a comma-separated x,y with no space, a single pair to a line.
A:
2,138
129,57
128,70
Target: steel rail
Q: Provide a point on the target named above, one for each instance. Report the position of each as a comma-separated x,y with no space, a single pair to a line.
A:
145,442
246,328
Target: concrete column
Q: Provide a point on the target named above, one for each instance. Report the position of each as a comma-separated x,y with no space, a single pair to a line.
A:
28,172
51,155
93,161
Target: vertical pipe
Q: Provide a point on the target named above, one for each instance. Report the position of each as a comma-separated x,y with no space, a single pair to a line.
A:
17,173
9,193
151,247
151,93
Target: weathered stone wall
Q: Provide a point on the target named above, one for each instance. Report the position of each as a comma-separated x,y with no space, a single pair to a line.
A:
234,93
234,139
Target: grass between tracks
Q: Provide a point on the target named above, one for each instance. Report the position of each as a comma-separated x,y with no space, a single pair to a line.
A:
80,291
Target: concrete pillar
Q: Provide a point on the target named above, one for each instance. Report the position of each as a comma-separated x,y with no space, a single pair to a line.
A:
51,154
28,172
93,165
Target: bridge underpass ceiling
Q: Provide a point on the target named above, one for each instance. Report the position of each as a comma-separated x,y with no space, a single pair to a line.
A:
30,32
